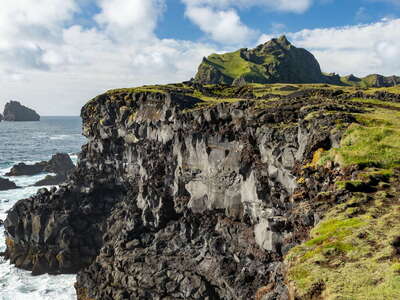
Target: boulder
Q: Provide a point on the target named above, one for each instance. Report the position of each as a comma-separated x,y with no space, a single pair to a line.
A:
6,184
15,111
60,163
51,180
23,169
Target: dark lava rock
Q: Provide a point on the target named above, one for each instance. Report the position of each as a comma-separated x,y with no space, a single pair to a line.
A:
60,163
6,184
172,202
51,180
14,111
23,169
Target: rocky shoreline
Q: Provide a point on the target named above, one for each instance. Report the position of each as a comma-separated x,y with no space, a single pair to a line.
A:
174,202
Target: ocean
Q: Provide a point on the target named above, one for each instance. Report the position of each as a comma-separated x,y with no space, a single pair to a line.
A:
31,142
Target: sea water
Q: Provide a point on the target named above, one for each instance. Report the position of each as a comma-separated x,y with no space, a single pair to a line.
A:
31,142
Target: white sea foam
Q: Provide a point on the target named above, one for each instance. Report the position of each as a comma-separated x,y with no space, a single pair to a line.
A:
74,158
64,136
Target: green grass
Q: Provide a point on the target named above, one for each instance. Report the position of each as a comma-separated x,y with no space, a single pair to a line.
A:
372,142
352,256
350,249
233,66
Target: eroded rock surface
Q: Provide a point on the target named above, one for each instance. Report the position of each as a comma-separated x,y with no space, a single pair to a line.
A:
60,164
170,201
6,184
15,111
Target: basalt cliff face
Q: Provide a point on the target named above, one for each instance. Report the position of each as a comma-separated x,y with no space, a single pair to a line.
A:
176,200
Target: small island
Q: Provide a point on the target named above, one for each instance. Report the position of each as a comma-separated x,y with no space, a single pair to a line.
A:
15,111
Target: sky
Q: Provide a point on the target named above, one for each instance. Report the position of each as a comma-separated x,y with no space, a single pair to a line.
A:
55,55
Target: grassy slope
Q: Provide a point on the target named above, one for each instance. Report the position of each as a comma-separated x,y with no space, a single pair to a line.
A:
234,66
350,251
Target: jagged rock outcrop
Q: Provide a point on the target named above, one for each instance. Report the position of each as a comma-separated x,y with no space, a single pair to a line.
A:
60,164
23,169
6,184
173,201
15,111
275,61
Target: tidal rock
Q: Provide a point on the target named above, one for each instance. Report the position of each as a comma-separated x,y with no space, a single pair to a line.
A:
51,180
60,163
15,111
6,184
23,169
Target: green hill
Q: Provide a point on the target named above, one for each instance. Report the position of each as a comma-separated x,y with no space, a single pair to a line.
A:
278,61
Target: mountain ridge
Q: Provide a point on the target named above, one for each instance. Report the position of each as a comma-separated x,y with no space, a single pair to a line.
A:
277,61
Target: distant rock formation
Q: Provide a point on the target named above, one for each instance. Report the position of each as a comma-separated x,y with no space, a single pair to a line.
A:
6,184
15,111
275,61
371,81
1,117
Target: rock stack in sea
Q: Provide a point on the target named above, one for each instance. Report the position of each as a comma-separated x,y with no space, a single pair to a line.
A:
15,111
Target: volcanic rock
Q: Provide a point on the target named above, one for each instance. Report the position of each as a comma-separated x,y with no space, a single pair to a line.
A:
14,111
23,169
6,184
169,201
60,163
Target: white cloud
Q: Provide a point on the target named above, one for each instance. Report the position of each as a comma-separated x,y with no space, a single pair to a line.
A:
296,6
128,20
57,68
220,20
223,26
361,49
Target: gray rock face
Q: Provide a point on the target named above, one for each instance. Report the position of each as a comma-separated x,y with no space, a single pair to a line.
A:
168,202
14,111
6,184
60,163
23,169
